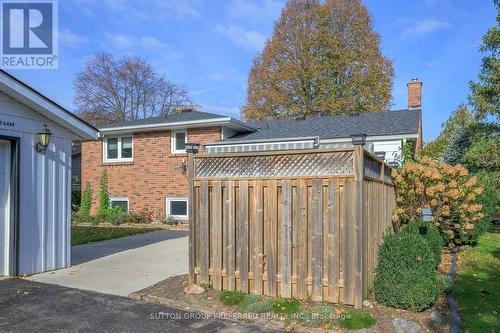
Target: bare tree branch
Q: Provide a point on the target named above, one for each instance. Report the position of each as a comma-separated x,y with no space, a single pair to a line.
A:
110,90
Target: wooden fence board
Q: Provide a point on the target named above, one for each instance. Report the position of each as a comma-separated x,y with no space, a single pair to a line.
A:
204,231
259,238
333,243
230,236
217,234
243,235
317,240
300,213
286,239
272,215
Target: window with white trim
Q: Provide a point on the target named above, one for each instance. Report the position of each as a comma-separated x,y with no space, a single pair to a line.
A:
177,208
178,141
121,202
118,149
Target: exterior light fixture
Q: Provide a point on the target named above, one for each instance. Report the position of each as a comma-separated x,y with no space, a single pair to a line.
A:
316,142
358,139
426,214
44,136
192,148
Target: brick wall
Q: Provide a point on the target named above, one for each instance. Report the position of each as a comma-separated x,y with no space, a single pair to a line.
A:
154,174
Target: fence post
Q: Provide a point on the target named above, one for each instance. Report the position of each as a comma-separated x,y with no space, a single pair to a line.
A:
191,219
359,158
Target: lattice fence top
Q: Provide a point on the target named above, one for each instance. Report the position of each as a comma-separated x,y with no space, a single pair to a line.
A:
286,165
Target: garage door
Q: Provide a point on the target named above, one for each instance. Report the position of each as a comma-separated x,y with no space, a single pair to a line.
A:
4,207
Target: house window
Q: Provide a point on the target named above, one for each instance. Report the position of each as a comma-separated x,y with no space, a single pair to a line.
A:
179,139
121,202
119,149
177,208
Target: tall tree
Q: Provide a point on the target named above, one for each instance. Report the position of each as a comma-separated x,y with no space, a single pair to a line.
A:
323,58
485,94
109,90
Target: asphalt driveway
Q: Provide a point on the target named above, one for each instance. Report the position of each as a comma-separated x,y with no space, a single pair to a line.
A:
123,265
27,306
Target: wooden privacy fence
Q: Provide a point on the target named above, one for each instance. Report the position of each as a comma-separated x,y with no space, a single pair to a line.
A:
303,224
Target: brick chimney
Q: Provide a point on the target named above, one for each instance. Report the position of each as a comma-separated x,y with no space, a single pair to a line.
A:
414,94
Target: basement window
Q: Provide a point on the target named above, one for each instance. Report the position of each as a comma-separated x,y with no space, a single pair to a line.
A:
121,202
119,149
178,142
177,208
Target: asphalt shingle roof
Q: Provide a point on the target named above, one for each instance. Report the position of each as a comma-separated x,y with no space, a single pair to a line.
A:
171,118
371,124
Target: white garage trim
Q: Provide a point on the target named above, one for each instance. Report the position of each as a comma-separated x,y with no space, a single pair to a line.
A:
48,108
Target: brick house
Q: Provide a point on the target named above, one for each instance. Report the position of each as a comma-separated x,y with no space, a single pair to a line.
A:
146,159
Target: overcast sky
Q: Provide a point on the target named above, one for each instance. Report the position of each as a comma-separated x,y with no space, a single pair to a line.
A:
208,46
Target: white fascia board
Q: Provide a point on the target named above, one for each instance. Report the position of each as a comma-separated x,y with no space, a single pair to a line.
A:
374,138
172,126
47,108
274,142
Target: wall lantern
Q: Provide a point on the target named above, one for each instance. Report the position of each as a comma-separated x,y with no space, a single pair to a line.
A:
426,214
44,136
192,148
358,139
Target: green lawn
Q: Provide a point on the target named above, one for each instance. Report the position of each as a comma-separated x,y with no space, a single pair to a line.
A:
478,285
83,235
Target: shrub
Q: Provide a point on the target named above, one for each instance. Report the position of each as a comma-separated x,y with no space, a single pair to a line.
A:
405,276
86,201
230,297
138,218
257,304
286,306
207,285
318,315
431,235
483,154
169,220
77,218
104,203
448,190
357,320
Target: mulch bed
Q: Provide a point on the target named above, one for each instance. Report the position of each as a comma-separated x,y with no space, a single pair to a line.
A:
171,292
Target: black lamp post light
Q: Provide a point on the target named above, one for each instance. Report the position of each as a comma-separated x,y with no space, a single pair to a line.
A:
44,136
358,139
192,147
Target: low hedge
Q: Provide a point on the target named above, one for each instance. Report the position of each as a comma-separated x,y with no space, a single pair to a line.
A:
430,234
406,276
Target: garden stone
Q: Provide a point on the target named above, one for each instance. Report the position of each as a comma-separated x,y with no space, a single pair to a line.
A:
368,304
405,326
194,290
438,317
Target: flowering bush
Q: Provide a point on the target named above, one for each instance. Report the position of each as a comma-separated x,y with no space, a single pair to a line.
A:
448,190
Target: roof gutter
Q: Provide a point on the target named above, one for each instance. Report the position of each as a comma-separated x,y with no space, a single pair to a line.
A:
309,138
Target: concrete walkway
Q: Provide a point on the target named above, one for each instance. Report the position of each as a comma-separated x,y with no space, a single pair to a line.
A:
123,265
